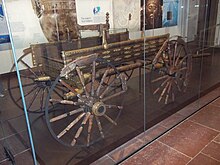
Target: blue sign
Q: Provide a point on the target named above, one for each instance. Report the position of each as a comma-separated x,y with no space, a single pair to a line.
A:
4,39
170,12
1,11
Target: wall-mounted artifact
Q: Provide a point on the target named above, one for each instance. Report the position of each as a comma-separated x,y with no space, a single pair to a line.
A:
57,19
153,14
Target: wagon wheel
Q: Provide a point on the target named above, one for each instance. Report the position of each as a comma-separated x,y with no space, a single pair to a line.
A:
170,74
94,108
34,82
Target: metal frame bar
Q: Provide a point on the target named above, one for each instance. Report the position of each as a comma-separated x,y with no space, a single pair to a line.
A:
20,84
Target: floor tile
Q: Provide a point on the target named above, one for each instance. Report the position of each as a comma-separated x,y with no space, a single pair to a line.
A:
216,102
212,150
203,160
172,120
209,97
151,133
208,116
189,138
158,153
126,149
104,161
217,139
24,159
134,144
135,160
189,109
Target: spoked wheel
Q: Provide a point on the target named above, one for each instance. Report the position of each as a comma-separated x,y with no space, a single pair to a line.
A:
170,74
34,82
92,110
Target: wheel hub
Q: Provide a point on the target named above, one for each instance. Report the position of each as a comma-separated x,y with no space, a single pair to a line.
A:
99,109
173,72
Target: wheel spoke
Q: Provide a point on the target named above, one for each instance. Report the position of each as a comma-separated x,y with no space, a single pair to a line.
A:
42,99
114,106
108,87
33,89
157,90
112,96
174,53
93,78
89,129
33,98
25,76
68,86
57,93
182,69
70,125
182,61
173,95
168,93
164,91
29,68
178,57
169,54
177,85
67,102
62,116
99,126
82,80
79,131
159,78
110,119
23,86
62,89
102,81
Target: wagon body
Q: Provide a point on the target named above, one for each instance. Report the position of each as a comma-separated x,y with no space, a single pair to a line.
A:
80,78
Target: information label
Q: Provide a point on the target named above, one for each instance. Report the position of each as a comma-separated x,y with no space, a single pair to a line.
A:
92,11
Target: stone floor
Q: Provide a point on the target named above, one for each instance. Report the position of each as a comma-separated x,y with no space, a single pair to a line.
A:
193,140
196,141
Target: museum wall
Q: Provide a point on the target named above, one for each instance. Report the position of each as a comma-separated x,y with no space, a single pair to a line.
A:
26,28
191,19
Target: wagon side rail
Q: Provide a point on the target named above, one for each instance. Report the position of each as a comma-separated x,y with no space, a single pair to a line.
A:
122,52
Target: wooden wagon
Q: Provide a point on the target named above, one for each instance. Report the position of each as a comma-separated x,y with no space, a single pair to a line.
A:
75,82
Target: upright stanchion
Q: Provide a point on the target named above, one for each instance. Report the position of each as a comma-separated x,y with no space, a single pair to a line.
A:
19,82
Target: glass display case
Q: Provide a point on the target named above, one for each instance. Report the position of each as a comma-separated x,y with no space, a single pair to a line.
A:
89,76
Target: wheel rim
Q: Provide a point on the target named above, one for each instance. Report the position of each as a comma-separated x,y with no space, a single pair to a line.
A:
35,85
83,119
171,75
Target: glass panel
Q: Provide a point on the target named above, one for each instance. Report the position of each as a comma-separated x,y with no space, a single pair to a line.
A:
15,135
183,71
96,74
174,78
208,41
80,64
